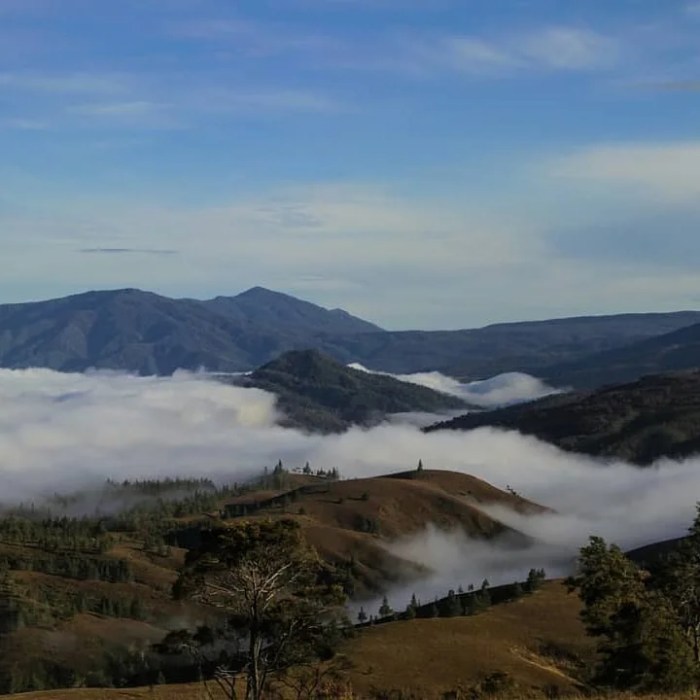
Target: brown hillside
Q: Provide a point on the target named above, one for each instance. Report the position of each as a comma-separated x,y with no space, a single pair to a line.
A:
350,523
401,504
538,641
353,520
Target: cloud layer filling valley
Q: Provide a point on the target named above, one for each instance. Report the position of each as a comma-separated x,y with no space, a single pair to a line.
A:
59,432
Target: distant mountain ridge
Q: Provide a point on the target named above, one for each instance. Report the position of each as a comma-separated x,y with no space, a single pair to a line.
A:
670,352
146,333
142,332
276,310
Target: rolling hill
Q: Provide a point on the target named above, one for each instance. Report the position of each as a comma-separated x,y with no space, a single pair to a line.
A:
147,333
318,394
82,600
654,417
536,645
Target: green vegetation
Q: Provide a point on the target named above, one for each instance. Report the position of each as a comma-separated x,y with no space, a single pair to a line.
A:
647,621
640,422
320,394
283,606
57,567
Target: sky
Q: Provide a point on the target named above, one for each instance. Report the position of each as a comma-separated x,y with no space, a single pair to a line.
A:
420,163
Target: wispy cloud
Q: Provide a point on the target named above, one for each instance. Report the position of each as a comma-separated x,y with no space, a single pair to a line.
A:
66,83
550,49
674,85
251,37
568,48
229,100
128,251
670,171
148,100
22,124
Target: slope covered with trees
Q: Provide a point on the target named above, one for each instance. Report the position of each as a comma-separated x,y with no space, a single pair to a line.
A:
319,394
675,351
657,416
647,622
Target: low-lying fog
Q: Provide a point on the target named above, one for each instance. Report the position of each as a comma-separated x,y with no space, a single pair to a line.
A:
60,432
503,390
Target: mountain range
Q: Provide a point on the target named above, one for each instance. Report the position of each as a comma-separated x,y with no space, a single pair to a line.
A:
147,333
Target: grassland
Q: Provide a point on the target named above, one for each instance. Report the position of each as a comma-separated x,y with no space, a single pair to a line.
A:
348,522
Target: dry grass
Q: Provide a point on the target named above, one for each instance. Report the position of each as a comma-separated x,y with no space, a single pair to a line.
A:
535,640
165,692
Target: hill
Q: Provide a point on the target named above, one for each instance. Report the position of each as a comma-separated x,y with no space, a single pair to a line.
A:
534,647
679,350
147,333
83,598
318,394
353,520
640,422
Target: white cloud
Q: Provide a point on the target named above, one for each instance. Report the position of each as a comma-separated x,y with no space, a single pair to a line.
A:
66,83
503,390
257,39
567,48
63,431
555,48
667,171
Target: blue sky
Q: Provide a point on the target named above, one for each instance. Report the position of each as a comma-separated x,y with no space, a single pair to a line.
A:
421,163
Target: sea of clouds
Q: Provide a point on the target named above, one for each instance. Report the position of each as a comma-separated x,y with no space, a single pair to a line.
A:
60,432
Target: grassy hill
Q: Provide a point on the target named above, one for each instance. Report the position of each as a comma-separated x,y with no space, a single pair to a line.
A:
538,642
350,522
657,416
82,599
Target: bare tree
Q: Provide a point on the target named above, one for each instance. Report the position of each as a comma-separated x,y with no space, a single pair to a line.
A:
281,601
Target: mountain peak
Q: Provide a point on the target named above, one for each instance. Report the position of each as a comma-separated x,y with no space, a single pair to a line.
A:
305,363
271,308
261,293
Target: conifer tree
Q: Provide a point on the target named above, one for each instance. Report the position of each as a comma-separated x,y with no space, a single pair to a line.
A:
385,610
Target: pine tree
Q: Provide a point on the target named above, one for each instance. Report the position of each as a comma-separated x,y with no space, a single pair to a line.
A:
362,616
452,606
385,609
642,645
